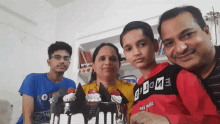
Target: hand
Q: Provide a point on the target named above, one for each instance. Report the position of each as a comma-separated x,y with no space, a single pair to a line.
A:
157,54
145,117
126,81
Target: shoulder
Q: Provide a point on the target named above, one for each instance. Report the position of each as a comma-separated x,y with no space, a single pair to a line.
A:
174,70
174,67
188,82
141,80
31,84
69,83
181,74
186,76
184,72
89,86
125,84
34,76
126,89
68,80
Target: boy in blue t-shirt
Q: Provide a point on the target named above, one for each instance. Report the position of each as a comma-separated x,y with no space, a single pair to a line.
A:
37,89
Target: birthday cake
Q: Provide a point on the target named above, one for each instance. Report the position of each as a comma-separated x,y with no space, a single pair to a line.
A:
97,107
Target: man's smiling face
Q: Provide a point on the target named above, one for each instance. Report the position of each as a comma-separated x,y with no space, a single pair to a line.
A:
185,43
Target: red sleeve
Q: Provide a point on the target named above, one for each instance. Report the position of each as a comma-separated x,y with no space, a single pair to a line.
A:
196,100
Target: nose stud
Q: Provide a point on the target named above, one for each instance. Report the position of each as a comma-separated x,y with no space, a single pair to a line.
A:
184,46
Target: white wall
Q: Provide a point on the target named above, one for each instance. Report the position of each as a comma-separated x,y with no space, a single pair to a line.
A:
82,18
86,17
27,27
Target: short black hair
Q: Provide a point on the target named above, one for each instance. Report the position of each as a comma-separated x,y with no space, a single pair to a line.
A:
196,14
59,45
145,27
95,53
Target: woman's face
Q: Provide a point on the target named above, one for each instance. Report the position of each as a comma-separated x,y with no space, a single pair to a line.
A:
106,63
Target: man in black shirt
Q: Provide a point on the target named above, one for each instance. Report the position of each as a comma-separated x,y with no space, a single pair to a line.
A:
187,42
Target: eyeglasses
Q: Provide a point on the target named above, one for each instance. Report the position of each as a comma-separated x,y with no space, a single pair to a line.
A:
58,57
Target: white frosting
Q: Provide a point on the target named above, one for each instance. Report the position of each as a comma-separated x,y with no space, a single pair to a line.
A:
64,119
50,100
115,98
51,118
69,97
119,121
93,97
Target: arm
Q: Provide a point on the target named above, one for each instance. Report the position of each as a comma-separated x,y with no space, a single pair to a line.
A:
27,108
28,92
145,117
196,100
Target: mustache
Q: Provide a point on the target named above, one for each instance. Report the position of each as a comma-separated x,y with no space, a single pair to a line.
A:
61,65
108,67
185,53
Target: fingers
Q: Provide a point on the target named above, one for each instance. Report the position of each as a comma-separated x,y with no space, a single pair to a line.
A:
139,118
125,81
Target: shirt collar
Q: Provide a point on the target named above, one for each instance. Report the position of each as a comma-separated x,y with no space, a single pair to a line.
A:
217,50
155,70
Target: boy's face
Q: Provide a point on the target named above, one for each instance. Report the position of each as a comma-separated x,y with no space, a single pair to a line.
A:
185,43
139,49
59,65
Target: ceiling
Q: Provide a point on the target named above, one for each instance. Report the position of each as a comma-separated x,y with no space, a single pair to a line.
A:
59,3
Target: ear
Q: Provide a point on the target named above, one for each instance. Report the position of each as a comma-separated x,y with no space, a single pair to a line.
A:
93,66
206,30
48,62
156,46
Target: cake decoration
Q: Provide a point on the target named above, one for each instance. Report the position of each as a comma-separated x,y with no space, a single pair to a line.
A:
59,95
97,107
105,96
124,99
80,94
53,94
93,96
56,99
115,96
71,96
71,90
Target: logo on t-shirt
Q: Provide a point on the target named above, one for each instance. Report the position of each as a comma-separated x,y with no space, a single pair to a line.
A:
160,85
44,97
146,106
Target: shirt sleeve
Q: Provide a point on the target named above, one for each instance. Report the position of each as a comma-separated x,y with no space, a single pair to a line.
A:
73,84
196,100
28,86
